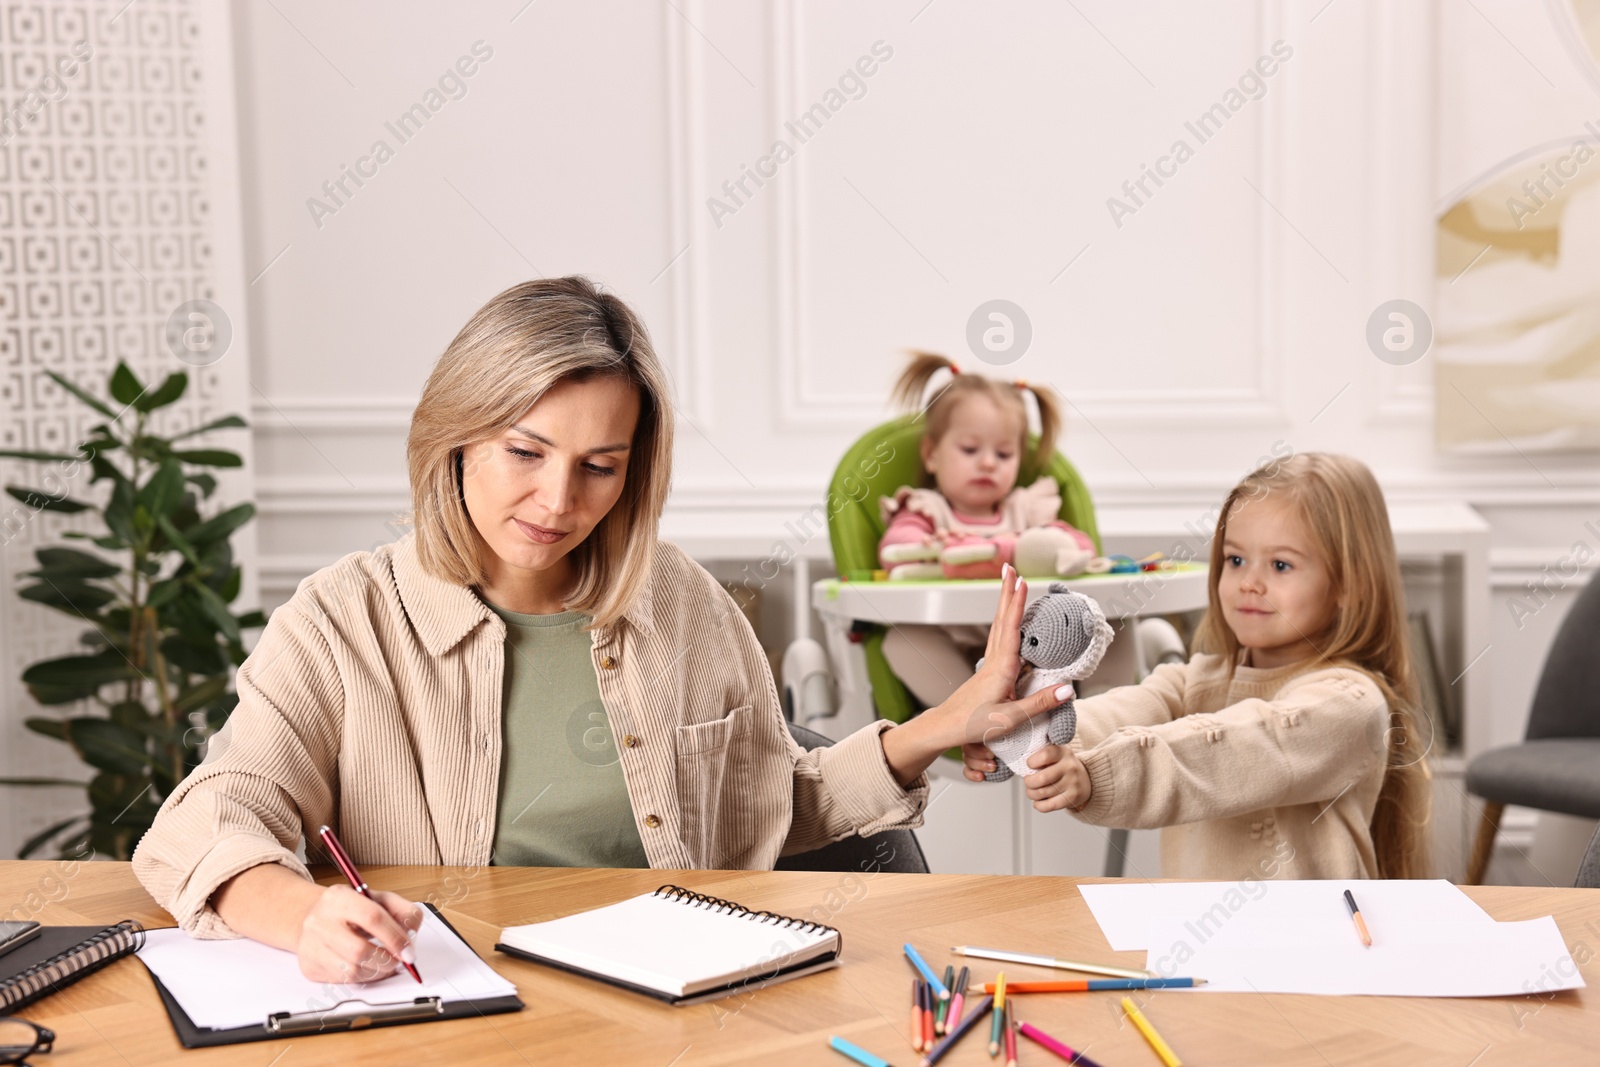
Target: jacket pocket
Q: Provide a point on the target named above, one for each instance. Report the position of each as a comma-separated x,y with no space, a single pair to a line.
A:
712,760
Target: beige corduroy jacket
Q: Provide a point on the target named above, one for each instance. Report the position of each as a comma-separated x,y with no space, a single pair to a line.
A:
372,703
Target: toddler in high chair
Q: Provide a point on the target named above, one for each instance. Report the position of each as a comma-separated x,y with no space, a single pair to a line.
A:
970,519
1288,746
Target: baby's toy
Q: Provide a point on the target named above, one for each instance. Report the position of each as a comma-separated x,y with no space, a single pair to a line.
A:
1064,635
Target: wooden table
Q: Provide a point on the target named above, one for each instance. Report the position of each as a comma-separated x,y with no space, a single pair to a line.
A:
114,1017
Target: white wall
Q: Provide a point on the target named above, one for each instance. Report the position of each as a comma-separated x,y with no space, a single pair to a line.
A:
1226,315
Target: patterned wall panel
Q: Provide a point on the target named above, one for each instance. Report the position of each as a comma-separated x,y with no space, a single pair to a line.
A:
105,229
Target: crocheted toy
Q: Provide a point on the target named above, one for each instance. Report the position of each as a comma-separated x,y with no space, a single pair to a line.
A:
1064,636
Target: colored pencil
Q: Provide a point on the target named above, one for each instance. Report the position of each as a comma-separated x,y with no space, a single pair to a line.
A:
1361,924
927,973
939,1020
927,1016
958,1000
1011,1038
1066,1052
1048,961
1093,985
999,1013
916,1015
979,1009
857,1053
1161,1048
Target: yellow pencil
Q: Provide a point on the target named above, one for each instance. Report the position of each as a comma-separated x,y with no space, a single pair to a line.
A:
1161,1048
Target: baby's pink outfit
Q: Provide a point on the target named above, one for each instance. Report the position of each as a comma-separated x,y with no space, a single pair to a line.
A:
912,514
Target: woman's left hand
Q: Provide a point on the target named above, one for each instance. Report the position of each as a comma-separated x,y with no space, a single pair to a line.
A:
982,708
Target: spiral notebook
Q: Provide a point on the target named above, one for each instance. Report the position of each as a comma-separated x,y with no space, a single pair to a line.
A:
679,946
59,956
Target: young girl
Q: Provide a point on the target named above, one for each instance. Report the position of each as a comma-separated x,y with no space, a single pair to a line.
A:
968,520
1288,747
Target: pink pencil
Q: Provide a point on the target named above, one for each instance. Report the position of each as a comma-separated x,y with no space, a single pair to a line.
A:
1070,1055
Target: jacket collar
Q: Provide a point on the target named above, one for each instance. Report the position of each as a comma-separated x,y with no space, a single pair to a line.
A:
442,612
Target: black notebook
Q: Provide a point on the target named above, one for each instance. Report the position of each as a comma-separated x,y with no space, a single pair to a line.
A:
59,956
677,945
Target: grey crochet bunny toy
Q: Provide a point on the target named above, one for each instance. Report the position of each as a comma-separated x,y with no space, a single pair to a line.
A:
1064,635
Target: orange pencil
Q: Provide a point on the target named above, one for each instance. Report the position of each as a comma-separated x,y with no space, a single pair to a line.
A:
916,1015
927,1016
1090,985
1355,913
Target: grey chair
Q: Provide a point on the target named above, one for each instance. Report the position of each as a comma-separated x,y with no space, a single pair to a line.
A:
1589,869
1557,766
896,851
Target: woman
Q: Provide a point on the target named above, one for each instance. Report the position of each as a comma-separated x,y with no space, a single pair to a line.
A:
439,700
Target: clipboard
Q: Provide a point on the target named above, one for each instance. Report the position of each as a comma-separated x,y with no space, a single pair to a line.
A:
352,1013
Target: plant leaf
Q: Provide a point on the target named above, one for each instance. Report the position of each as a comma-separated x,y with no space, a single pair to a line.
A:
118,513
94,671
103,744
196,657
92,401
42,501
70,563
221,525
205,483
211,457
40,457
162,492
74,598
37,841
162,593
216,610
125,387
179,542
163,394
227,422
55,728
199,696
252,620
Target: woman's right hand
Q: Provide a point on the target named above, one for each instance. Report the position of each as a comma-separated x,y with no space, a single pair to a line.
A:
337,935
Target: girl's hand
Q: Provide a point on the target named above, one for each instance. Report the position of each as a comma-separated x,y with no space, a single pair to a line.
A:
1059,780
983,707
334,943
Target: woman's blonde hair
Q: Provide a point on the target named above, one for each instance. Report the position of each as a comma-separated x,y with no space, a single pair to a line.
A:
1007,396
509,354
1343,507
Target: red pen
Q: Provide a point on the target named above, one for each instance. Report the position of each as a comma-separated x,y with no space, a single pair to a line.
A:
342,859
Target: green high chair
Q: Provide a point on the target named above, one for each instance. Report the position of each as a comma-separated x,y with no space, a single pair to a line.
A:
881,461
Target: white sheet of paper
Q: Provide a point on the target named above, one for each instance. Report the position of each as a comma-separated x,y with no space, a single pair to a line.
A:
1125,910
226,984
1422,959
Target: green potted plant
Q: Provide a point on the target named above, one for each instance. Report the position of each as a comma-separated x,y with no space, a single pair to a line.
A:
161,640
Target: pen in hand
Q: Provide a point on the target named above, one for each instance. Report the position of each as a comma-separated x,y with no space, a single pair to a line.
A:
358,883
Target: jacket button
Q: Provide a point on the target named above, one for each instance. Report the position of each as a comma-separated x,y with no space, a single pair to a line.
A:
609,662
652,821
630,740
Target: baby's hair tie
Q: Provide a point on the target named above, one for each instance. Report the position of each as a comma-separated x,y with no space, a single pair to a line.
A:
1020,383
954,369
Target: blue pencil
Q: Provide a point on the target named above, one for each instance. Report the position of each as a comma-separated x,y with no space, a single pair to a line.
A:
927,972
1090,985
857,1053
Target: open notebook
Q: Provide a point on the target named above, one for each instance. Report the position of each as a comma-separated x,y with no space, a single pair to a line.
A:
678,945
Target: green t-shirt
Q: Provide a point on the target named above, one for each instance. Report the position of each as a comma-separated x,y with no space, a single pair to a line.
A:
563,802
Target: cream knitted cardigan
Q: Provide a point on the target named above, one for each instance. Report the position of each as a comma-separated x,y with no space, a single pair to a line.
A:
1274,774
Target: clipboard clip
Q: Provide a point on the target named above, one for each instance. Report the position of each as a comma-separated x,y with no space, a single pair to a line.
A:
339,1018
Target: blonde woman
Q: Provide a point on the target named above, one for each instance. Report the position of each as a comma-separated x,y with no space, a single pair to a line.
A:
452,698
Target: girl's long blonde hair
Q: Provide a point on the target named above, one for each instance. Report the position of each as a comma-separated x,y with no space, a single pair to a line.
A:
1007,396
1343,507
